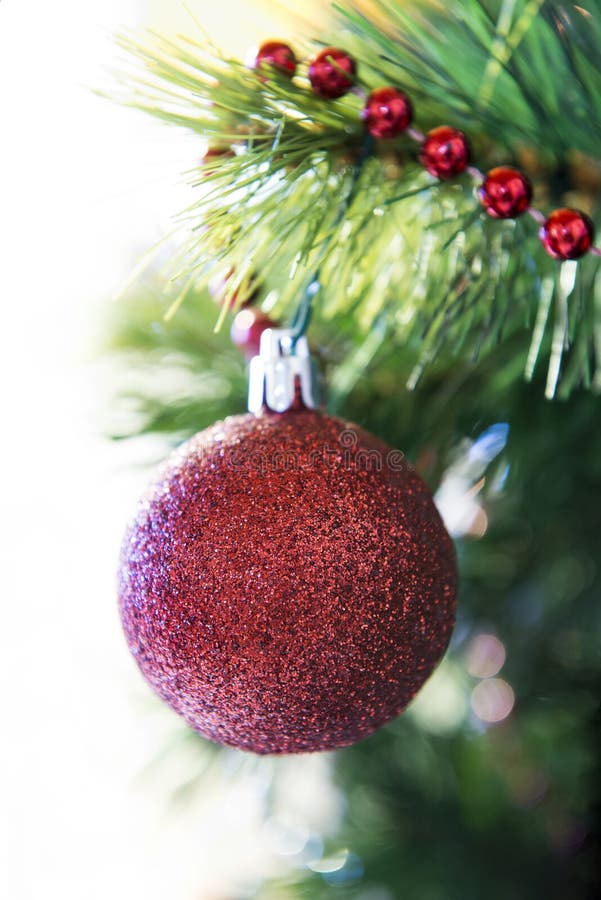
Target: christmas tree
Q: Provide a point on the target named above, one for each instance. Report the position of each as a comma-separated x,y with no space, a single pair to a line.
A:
417,192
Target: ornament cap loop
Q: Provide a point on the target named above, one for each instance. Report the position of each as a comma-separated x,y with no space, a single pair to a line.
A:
282,363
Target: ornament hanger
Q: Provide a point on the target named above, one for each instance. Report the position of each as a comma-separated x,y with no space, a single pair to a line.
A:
283,363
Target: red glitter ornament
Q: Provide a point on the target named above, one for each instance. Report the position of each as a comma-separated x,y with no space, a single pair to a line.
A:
247,328
278,55
567,234
505,193
328,73
445,152
287,584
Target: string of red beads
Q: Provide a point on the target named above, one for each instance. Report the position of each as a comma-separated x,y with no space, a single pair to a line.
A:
445,152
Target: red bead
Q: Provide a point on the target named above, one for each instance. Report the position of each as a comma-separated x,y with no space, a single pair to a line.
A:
445,152
505,193
212,154
567,234
327,73
278,55
387,112
247,328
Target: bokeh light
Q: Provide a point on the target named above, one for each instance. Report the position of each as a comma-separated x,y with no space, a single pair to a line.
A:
492,700
441,705
338,869
485,656
460,495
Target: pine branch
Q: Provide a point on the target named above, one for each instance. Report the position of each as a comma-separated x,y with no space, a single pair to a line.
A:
392,245
202,375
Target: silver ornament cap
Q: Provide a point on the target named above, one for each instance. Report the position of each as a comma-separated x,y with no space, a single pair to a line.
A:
283,362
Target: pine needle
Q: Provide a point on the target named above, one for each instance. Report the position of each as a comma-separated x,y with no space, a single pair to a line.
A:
299,194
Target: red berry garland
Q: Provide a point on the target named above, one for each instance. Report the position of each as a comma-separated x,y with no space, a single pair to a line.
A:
387,112
278,55
329,73
445,152
505,193
567,234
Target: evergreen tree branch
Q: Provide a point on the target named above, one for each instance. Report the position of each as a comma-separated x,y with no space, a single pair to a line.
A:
391,244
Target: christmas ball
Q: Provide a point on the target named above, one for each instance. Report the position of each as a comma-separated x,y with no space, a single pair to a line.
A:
567,234
445,152
287,584
278,55
328,73
387,112
505,193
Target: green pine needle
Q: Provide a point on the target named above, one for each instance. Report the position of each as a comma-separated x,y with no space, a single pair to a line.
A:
302,195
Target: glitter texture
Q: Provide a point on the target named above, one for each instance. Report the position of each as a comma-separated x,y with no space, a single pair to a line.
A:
287,584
